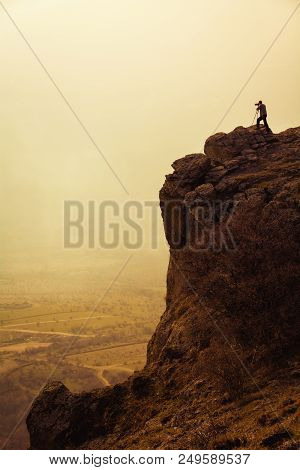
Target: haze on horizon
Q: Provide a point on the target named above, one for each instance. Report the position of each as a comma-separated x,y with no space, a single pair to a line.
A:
150,80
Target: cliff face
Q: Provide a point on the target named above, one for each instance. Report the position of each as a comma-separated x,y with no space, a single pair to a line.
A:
222,368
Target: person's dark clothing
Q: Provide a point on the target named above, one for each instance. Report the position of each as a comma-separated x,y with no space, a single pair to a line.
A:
263,117
262,109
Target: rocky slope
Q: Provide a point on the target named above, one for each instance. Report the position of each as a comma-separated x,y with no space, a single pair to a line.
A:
223,364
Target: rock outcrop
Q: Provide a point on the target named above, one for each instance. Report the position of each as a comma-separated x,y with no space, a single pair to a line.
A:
222,366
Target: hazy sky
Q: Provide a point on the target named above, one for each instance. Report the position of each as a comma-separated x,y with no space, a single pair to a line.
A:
150,80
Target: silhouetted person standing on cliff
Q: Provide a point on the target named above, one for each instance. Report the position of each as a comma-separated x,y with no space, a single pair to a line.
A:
262,115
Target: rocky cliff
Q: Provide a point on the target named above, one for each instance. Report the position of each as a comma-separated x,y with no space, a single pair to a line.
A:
222,366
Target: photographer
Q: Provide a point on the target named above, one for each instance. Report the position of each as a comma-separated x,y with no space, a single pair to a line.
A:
262,109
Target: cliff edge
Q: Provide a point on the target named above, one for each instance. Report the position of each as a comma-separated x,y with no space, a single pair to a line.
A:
223,364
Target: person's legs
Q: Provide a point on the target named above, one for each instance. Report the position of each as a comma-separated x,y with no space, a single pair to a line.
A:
258,121
266,123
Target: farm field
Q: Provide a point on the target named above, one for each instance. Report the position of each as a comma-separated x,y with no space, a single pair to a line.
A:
102,338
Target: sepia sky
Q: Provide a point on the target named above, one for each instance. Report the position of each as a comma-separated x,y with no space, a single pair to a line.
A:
148,79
